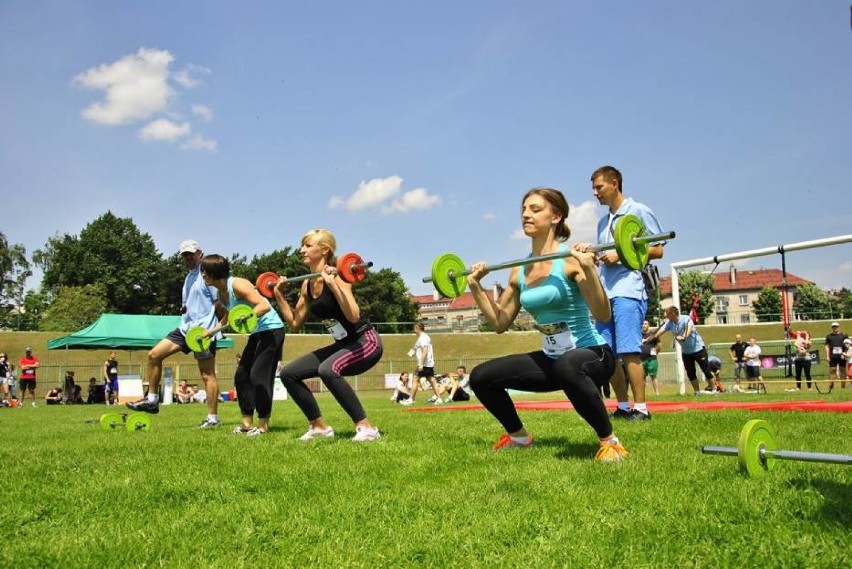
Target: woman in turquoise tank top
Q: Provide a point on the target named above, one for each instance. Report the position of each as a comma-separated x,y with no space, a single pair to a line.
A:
255,376
561,295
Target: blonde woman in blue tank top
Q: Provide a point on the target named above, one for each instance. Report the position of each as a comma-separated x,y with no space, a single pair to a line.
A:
561,295
255,373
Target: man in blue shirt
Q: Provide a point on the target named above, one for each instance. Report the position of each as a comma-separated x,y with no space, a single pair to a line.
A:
626,291
198,310
693,350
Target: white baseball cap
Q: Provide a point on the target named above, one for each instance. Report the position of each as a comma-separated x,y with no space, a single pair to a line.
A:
189,246
833,324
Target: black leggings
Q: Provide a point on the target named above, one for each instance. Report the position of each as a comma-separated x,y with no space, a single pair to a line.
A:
700,358
255,373
802,365
331,364
580,373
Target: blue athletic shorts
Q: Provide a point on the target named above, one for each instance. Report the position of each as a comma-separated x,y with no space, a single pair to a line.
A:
624,330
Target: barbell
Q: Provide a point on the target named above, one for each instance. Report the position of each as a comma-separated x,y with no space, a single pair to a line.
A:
351,268
630,242
121,421
757,450
241,319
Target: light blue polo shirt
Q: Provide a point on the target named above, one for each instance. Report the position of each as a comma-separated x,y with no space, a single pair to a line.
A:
617,279
199,300
692,343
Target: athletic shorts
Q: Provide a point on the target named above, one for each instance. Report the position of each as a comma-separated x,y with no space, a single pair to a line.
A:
27,384
178,338
752,372
426,372
651,366
836,361
624,330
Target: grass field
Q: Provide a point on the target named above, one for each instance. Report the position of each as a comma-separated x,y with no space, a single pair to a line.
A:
430,493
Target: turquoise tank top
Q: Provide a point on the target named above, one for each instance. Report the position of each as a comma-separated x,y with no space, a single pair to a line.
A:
269,321
558,299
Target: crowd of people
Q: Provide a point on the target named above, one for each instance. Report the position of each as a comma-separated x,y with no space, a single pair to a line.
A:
588,306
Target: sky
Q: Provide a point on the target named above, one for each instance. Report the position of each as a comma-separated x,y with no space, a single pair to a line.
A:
413,129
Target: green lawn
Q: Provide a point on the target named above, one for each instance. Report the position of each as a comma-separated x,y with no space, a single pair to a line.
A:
430,493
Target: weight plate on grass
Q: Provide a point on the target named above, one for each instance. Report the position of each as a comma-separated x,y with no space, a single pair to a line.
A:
242,319
449,286
756,435
138,422
195,339
265,283
351,268
632,254
111,421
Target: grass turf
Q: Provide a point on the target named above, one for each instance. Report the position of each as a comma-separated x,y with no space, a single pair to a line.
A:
429,493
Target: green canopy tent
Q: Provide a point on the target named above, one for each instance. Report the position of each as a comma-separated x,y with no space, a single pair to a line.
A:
123,332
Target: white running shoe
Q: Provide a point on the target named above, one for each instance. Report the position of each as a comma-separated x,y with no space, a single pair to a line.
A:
366,434
313,433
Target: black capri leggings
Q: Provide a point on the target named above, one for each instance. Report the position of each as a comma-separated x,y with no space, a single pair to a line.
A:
255,373
696,358
331,364
580,373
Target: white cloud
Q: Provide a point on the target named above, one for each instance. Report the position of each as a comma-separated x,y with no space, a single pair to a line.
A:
518,234
202,111
583,221
385,193
164,129
186,76
489,216
135,87
200,143
417,199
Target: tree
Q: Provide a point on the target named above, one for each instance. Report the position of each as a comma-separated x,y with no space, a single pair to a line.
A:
74,308
384,297
768,306
14,272
702,283
110,251
812,303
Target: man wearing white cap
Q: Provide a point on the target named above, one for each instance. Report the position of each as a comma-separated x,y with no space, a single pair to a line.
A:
835,355
197,310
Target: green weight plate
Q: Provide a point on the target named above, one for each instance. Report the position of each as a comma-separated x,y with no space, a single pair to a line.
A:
446,285
632,255
138,422
351,268
242,319
195,339
755,435
111,421
265,284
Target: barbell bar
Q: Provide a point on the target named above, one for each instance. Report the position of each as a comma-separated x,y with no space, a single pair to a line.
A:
757,450
351,268
630,242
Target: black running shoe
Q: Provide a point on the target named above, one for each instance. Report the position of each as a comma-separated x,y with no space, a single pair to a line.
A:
639,416
622,414
145,406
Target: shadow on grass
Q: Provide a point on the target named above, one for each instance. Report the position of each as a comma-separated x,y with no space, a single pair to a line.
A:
567,449
837,497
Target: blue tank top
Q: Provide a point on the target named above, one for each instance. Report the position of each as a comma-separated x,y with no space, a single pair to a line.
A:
558,299
269,321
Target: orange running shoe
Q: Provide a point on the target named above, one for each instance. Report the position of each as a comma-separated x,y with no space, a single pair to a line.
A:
611,451
506,442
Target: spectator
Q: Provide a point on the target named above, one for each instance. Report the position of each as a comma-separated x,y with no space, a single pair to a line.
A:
847,343
69,384
650,365
402,392
198,395
96,392
12,383
54,396
714,364
835,355
802,359
626,291
737,350
76,396
693,351
4,379
183,394
752,356
111,379
424,355
28,364
460,382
